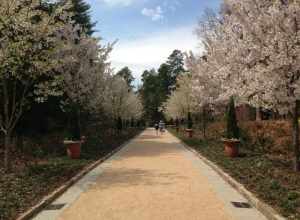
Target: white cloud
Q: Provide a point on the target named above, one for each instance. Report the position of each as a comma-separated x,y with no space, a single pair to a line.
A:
150,52
155,14
172,5
118,2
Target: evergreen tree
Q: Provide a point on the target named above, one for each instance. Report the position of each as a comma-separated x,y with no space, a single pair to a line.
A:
126,74
232,126
157,86
177,122
189,121
119,124
168,73
165,81
151,95
81,16
176,65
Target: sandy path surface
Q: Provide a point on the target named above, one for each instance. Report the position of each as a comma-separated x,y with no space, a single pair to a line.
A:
153,178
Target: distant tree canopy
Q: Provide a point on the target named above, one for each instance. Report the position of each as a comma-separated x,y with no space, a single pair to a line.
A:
80,13
176,64
126,74
151,95
169,71
158,85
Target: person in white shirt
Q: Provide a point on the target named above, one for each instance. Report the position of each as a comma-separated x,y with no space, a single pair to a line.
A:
161,126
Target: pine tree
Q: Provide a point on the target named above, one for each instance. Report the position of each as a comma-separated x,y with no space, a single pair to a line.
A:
189,121
81,16
119,124
177,122
232,126
126,74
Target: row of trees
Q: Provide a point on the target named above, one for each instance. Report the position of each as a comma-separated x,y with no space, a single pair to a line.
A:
46,50
252,53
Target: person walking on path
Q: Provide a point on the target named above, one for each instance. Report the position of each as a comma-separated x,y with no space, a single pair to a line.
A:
156,128
161,126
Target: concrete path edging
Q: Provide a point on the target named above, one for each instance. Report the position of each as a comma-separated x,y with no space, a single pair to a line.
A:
47,200
265,209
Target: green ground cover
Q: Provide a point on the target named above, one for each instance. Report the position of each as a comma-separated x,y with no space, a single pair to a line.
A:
27,184
270,178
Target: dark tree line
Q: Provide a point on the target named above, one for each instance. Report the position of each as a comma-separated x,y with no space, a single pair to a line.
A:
126,74
158,85
47,117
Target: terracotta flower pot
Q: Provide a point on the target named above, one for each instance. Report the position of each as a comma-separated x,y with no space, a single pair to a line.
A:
189,132
231,147
73,149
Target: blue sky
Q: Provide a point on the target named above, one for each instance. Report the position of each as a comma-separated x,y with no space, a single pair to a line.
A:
147,30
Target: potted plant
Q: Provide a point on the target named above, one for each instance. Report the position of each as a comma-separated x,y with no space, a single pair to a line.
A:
189,129
231,140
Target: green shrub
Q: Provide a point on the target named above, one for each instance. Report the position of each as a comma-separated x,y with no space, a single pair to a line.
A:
132,123
177,122
119,124
232,130
189,121
245,138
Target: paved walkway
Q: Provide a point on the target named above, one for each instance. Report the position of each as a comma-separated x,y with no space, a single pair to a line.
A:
152,178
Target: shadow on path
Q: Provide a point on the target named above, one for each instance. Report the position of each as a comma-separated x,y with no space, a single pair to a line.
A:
147,148
124,177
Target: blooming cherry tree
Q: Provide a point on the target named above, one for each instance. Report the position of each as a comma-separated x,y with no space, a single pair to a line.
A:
205,89
271,62
121,101
28,55
84,71
181,102
253,52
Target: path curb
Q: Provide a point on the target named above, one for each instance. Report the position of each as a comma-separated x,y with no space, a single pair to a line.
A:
47,200
265,209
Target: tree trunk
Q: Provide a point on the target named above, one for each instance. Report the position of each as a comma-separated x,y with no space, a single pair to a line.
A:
20,142
7,144
295,126
258,114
